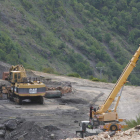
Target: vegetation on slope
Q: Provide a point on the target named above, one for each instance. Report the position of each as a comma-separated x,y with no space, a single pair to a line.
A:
132,123
71,36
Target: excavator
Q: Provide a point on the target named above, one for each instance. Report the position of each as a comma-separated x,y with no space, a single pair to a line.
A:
103,118
23,88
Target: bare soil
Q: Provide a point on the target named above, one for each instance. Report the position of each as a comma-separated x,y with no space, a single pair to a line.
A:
60,117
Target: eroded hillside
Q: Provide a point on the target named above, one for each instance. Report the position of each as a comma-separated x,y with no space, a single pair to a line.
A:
70,36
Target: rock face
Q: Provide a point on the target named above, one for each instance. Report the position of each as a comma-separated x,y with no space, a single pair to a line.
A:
11,124
131,134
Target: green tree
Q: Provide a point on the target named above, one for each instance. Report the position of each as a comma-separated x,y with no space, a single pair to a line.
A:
12,57
26,4
105,10
107,37
138,18
134,13
138,41
2,55
131,36
122,5
122,30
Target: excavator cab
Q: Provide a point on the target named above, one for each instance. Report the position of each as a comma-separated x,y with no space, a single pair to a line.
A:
15,77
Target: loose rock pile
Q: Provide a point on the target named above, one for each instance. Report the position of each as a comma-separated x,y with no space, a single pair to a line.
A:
20,129
131,134
63,87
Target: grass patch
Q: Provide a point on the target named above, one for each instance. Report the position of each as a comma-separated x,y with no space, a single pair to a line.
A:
74,75
48,70
132,123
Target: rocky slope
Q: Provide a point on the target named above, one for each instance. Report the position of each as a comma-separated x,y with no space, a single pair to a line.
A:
131,134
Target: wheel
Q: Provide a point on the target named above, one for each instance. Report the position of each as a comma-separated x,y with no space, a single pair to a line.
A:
41,100
82,134
83,130
84,127
113,127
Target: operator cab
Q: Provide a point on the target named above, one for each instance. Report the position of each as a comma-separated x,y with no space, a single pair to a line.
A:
15,76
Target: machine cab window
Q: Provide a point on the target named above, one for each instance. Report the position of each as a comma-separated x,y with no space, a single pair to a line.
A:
15,77
18,75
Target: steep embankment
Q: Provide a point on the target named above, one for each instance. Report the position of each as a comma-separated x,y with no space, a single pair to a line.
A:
70,36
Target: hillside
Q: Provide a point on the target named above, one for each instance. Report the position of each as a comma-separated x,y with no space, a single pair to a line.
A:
71,35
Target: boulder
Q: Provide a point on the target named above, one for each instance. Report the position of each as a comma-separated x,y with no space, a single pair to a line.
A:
137,127
2,126
11,124
2,133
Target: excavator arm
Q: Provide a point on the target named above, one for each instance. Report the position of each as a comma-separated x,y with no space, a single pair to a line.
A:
17,68
121,81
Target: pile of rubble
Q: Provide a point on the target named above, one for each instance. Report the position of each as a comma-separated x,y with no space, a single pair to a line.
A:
131,134
63,87
20,129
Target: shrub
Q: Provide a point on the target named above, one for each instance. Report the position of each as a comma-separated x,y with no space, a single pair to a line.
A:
48,70
26,4
138,41
122,30
93,78
132,123
107,37
74,75
28,67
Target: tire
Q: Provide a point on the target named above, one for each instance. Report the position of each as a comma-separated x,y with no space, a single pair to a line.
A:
113,127
82,134
83,130
84,127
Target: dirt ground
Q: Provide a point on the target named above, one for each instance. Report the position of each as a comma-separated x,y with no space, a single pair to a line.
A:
60,117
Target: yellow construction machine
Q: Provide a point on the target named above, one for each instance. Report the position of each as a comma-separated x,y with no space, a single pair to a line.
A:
102,118
24,88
